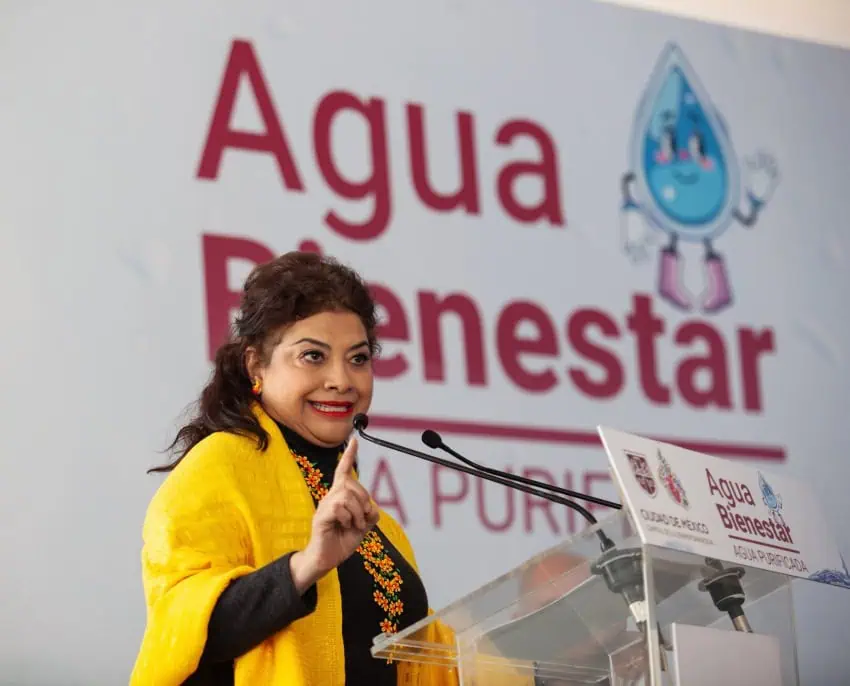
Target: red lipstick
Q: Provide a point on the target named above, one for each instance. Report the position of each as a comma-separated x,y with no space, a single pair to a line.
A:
332,408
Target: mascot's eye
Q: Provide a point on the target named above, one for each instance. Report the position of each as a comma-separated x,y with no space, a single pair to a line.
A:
668,143
696,146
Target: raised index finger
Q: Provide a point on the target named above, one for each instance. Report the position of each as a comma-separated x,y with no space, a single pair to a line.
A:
346,462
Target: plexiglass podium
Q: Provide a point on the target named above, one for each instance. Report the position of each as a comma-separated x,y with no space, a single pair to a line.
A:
633,614
688,585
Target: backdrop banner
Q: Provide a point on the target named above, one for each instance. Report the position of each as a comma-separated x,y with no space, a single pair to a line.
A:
571,213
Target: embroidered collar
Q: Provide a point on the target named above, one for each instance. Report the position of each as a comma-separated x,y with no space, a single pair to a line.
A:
300,445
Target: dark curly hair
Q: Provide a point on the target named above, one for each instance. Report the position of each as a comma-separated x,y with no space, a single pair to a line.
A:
276,294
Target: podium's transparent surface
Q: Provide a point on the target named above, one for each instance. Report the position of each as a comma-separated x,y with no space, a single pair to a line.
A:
555,621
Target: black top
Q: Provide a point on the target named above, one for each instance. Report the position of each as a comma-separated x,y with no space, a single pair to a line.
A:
258,605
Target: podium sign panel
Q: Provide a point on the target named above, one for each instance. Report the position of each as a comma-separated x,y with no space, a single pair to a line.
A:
684,500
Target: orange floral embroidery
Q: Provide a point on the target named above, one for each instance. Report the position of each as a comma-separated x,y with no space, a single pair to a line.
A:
377,562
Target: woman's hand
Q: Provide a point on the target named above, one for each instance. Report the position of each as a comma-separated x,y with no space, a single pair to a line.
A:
343,517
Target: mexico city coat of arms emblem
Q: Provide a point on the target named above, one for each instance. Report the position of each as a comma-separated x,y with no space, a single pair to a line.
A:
642,472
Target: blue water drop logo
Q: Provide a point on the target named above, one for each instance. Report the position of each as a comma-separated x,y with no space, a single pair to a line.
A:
684,155
685,180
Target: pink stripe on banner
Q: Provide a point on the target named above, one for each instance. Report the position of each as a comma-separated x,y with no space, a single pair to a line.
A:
753,451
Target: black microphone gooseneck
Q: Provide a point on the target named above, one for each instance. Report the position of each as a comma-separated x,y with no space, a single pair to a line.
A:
361,421
621,570
433,440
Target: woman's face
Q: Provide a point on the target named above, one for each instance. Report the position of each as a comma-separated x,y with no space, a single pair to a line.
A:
319,376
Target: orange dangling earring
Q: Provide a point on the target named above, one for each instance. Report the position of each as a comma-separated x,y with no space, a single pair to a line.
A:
257,386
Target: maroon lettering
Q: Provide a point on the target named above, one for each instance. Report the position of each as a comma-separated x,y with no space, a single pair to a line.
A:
440,496
513,181
481,501
466,196
309,245
383,477
646,328
243,62
770,529
752,345
713,488
392,327
733,491
431,310
712,365
526,340
376,185
546,169
532,503
544,476
510,345
221,300
725,517
577,327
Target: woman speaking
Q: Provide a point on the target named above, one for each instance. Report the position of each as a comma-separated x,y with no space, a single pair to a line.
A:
265,561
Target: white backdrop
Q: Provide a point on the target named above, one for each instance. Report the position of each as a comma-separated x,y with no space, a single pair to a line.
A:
121,237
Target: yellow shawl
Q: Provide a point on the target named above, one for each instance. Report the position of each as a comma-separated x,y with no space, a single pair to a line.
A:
225,510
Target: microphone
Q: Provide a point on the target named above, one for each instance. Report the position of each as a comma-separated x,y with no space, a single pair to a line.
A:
621,570
433,440
361,421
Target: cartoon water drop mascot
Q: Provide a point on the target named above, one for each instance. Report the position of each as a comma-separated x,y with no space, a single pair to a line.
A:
685,181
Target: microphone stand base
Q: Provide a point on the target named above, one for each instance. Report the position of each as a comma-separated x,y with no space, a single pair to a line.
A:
726,592
622,571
